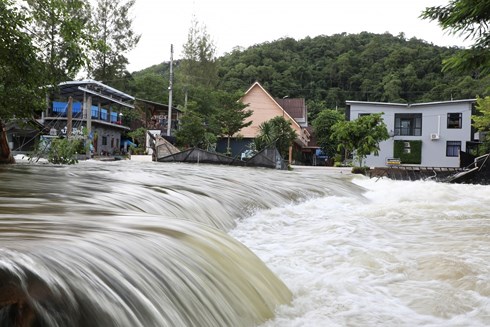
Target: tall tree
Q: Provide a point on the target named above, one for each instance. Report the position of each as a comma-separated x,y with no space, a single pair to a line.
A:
198,66
231,115
471,19
361,136
20,71
114,36
61,33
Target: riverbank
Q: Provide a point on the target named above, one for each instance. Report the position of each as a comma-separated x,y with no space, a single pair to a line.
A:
323,169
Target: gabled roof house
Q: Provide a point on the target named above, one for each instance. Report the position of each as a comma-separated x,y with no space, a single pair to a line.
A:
265,107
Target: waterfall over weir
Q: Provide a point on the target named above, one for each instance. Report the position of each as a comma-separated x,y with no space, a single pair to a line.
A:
124,244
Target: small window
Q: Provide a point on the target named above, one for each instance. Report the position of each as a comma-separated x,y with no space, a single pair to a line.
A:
454,120
362,115
104,140
453,148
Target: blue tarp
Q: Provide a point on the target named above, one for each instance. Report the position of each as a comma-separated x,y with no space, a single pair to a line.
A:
62,107
128,143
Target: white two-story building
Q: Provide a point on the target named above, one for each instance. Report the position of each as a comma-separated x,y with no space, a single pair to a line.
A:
426,134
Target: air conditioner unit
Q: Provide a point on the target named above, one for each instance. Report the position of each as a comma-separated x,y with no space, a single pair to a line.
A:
434,136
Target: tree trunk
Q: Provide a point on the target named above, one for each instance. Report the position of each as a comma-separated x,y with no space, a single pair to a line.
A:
5,154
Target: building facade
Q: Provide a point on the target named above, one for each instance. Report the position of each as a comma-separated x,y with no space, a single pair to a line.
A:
424,134
96,108
264,107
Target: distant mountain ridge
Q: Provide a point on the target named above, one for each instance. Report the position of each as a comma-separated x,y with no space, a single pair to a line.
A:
332,69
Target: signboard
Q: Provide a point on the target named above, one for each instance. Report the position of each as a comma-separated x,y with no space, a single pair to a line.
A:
393,162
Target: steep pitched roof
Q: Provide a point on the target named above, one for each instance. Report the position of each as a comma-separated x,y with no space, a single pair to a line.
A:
295,107
257,84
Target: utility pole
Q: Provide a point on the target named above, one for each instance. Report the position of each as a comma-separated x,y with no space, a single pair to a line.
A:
69,118
170,89
88,106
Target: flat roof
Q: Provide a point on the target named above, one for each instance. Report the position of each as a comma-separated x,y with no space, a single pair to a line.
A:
441,102
157,104
104,94
377,103
408,105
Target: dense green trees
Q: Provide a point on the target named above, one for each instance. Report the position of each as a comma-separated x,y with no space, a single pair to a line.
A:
328,70
364,67
470,19
20,71
61,33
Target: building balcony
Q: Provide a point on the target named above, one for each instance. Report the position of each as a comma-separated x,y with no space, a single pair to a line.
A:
59,111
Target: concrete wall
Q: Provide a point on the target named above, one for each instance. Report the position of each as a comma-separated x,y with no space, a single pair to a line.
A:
434,120
113,139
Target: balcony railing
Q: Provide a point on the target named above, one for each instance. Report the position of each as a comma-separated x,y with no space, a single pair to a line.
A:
60,109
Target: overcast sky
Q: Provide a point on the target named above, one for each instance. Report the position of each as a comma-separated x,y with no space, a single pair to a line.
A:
232,23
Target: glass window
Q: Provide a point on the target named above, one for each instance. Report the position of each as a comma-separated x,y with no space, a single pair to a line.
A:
408,124
454,120
452,148
104,140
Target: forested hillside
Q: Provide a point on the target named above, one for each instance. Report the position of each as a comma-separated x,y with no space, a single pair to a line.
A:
327,70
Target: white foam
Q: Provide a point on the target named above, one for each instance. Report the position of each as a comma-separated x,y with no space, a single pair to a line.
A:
416,254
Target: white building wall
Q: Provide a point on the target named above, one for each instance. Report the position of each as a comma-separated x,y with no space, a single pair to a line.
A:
434,120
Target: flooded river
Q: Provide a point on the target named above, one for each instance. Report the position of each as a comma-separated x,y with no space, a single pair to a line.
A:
152,244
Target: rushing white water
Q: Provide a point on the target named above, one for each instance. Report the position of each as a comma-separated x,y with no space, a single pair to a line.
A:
150,244
413,254
129,244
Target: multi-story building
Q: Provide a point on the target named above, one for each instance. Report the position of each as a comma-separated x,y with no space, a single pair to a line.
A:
96,107
426,134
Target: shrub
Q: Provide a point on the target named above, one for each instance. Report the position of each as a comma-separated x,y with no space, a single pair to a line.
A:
64,151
